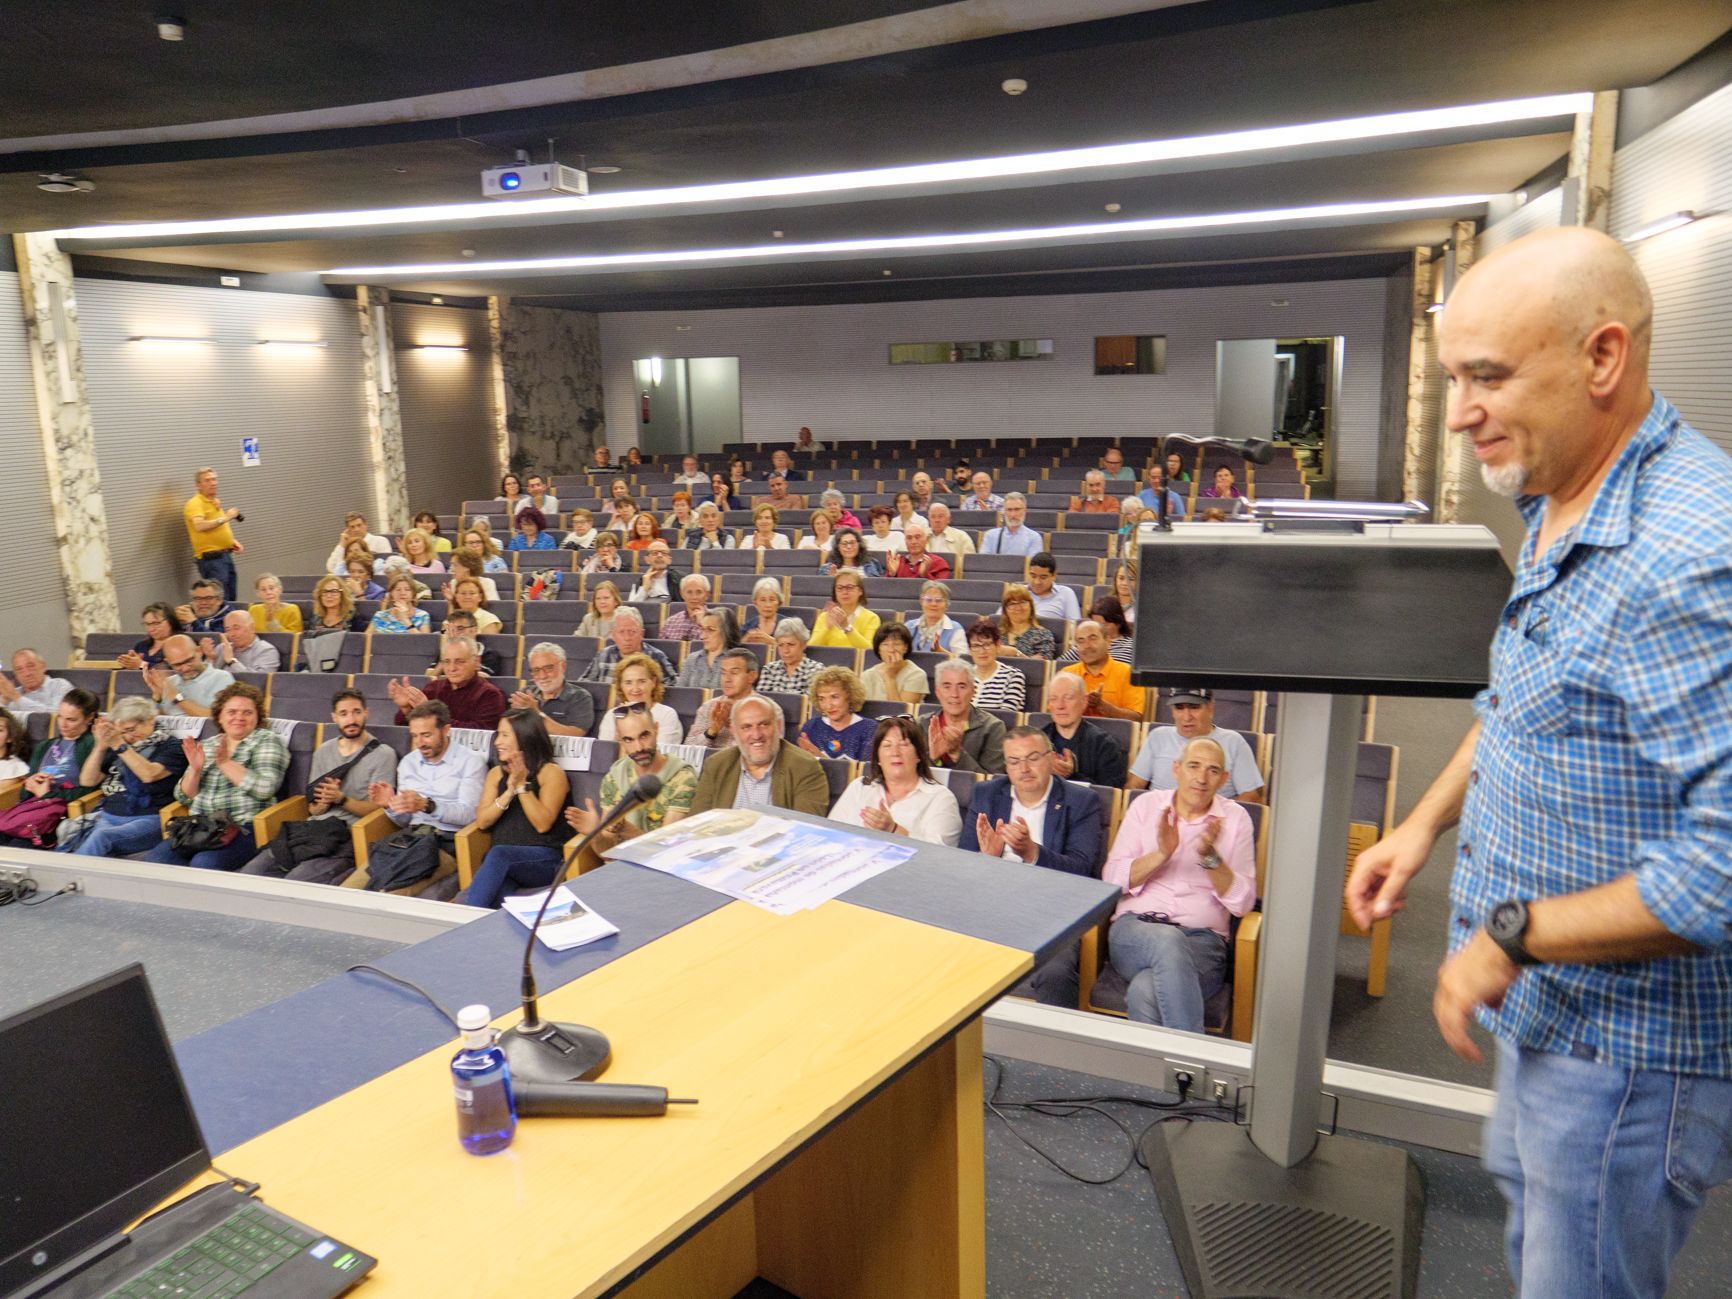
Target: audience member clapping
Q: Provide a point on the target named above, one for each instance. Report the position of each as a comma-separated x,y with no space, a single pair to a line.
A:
898,794
523,807
935,631
137,764
241,648
996,684
818,534
205,609
184,682
764,535
836,729
789,671
960,735
846,620
712,726
160,622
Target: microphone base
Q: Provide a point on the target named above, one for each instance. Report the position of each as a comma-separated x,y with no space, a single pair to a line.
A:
555,1052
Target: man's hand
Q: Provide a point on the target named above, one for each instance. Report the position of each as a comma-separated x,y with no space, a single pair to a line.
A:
328,792
230,515
1095,703
208,648
380,794
404,695
1017,838
8,691
155,681
525,699
1167,833
583,819
991,841
408,803
184,613
1063,763
942,741
1478,975
1377,888
239,547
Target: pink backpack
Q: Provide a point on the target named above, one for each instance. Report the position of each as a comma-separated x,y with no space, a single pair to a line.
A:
33,819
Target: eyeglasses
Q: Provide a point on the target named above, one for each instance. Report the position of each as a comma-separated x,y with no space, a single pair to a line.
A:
1029,761
622,710
178,664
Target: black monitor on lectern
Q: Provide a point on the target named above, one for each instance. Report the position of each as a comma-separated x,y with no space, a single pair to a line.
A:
1396,609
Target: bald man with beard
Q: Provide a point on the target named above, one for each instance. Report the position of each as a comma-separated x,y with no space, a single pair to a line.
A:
1592,895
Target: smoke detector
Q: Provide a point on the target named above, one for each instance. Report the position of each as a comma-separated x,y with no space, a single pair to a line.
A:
56,182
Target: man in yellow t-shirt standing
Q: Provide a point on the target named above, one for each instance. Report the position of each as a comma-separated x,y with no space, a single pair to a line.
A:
207,527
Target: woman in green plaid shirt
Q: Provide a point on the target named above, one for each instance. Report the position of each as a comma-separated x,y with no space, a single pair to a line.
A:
234,774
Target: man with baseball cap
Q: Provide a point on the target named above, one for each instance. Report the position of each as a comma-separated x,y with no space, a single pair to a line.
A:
1194,719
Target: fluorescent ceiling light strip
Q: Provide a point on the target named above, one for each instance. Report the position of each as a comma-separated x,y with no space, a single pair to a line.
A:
1660,227
1262,139
169,340
438,347
293,342
905,243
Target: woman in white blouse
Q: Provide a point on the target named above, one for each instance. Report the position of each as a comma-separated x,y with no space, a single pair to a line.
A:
637,683
899,794
764,535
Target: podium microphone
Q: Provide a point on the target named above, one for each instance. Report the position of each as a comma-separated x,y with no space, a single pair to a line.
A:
541,1051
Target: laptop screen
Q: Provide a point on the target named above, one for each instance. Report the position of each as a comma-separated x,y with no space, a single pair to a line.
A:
95,1125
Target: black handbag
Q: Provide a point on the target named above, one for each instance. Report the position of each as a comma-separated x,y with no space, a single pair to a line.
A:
405,858
205,832
330,836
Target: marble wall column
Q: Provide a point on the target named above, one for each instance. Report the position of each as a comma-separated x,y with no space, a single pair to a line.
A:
550,376
68,435
384,412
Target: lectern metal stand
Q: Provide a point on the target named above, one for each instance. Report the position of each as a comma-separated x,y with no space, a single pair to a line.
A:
1277,1210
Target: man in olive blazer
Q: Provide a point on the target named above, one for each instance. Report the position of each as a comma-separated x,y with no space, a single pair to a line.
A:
775,773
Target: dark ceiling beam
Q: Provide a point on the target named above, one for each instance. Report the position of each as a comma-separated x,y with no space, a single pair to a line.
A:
533,124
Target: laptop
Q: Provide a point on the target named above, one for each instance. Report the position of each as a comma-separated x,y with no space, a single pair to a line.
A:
96,1130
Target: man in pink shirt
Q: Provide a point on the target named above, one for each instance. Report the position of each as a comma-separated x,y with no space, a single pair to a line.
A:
1184,860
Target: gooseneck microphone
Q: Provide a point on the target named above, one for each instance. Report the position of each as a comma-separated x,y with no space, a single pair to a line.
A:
541,1051
1256,451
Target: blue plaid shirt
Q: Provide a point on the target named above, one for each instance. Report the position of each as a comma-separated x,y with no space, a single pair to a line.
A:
1606,750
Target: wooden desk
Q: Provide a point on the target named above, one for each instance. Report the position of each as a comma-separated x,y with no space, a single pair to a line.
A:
836,1152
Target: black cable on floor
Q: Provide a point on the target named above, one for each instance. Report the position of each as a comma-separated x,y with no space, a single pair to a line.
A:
1070,1107
405,983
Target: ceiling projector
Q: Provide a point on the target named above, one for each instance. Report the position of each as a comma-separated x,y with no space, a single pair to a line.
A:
534,178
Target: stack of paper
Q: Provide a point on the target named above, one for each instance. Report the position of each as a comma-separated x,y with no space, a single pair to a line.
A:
568,922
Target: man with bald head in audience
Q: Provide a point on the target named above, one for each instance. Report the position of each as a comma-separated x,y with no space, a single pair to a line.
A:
1592,893
947,540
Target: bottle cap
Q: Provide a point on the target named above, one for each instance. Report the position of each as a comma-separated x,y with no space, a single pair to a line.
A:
472,1019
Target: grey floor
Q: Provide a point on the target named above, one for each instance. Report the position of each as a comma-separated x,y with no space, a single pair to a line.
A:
205,969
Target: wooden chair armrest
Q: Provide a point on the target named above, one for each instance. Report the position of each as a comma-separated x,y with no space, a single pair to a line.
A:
1092,953
268,824
10,791
170,812
84,806
1245,974
472,845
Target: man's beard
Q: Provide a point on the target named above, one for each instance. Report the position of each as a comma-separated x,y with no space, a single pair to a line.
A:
1507,480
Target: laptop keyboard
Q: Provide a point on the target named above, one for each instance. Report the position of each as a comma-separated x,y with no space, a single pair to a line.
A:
227,1260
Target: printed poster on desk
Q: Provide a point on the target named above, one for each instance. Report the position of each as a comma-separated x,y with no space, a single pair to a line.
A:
778,864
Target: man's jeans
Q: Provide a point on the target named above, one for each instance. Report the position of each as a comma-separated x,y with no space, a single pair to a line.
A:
219,567
1171,971
1603,1170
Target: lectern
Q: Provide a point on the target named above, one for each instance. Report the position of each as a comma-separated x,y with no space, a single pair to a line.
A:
1326,616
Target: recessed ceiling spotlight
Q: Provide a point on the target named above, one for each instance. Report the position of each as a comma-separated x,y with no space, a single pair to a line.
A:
775,234
170,27
57,182
1112,207
602,169
890,272
467,252
682,329
1013,85
1277,302
438,301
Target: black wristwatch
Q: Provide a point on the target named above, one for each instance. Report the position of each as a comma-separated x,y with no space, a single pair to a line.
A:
431,807
1508,925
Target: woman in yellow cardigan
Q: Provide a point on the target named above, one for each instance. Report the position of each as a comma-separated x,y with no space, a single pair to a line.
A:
846,620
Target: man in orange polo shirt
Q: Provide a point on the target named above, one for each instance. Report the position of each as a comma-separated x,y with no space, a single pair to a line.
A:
213,540
1111,693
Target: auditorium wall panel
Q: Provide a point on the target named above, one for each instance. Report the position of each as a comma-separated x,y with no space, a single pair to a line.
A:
447,405
33,596
828,366
161,411
1684,164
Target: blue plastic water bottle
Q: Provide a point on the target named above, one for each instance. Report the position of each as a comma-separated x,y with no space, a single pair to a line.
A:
486,1115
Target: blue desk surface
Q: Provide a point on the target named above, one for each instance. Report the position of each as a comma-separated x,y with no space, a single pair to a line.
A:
265,1068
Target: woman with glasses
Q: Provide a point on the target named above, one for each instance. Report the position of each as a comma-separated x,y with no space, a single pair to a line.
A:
789,671
268,611
936,632
702,667
604,602
605,557
160,622
137,763
848,550
846,621
898,794
468,597
836,729
996,684
638,687
895,679
480,538
1023,635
